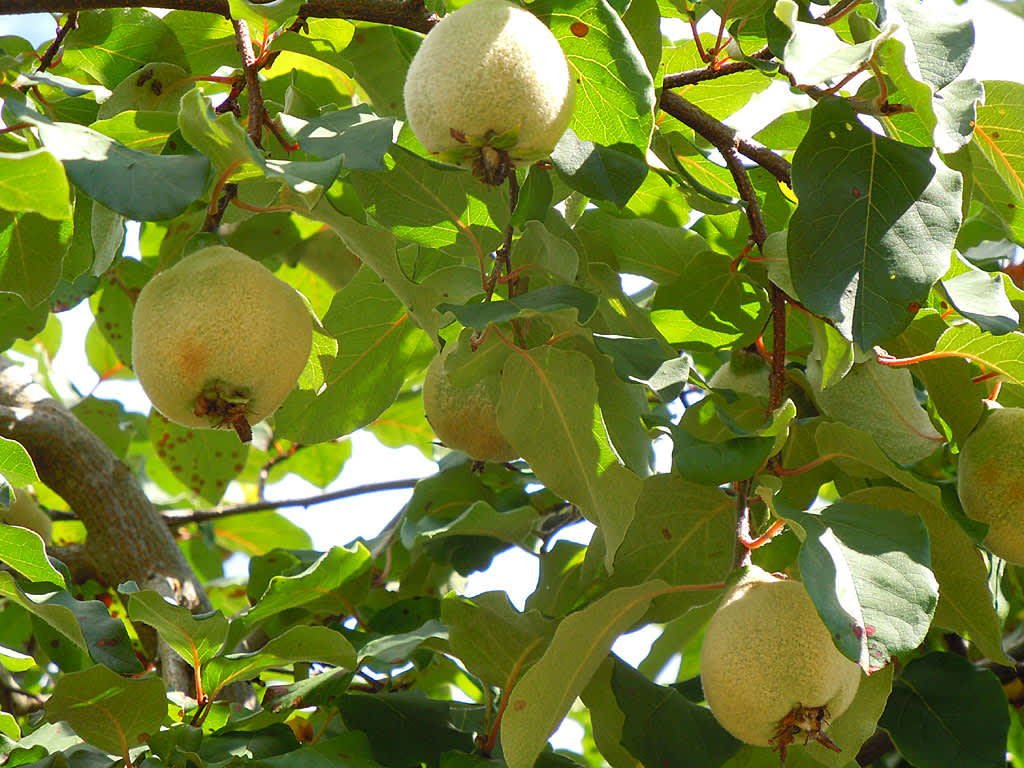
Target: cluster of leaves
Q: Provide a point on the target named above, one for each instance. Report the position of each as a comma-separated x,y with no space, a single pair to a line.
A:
890,232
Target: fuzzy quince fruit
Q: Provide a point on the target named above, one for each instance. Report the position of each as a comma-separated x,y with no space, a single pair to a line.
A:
465,418
769,667
490,85
990,480
218,340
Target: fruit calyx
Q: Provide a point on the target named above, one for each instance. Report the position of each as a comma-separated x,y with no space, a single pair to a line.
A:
227,406
811,721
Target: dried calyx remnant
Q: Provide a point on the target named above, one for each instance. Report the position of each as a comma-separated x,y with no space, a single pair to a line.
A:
489,87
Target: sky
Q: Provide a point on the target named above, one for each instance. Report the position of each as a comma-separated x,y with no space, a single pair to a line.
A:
340,522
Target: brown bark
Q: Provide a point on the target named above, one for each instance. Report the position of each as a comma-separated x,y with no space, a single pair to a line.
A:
411,14
127,538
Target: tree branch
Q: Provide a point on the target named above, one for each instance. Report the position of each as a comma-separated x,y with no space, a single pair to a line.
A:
127,539
721,135
184,516
410,14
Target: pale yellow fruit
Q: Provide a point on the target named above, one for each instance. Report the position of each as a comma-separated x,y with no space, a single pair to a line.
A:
24,511
218,327
990,480
766,652
465,418
485,69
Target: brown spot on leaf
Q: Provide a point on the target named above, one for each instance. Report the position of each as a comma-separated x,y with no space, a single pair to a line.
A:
519,705
666,534
579,29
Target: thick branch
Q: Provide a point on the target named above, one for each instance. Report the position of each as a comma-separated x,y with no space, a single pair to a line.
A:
127,539
411,14
721,135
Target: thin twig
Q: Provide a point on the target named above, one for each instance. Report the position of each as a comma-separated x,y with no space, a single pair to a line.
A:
214,216
702,74
47,59
721,135
184,516
243,42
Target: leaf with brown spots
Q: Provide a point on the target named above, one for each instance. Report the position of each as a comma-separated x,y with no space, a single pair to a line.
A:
205,460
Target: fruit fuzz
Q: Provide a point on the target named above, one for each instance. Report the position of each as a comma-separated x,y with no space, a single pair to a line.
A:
770,670
218,341
489,86
990,482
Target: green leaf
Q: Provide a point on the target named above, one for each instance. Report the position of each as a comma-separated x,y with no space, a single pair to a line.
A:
424,725
874,228
112,712
943,42
662,727
208,41
378,346
644,361
25,552
318,582
359,136
550,298
602,172
136,184
395,649
31,251
435,205
681,533
112,44
542,696
614,90
298,644
997,354
491,638
204,460
34,181
966,605
997,155
868,571
258,14
196,639
556,387
881,400
85,623
16,465
814,53
18,320
981,296
944,712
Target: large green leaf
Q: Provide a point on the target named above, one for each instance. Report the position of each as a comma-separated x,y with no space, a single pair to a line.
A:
112,712
112,44
662,727
378,346
84,623
31,250
494,640
1003,355
614,90
24,551
874,228
868,571
681,533
197,640
204,460
34,181
136,184
544,694
15,464
997,154
298,644
946,713
966,605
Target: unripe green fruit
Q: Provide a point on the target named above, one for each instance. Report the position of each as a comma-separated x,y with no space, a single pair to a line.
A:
990,480
465,418
489,68
766,653
217,340
24,511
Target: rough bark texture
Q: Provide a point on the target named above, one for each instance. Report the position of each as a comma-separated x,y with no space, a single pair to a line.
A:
127,538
